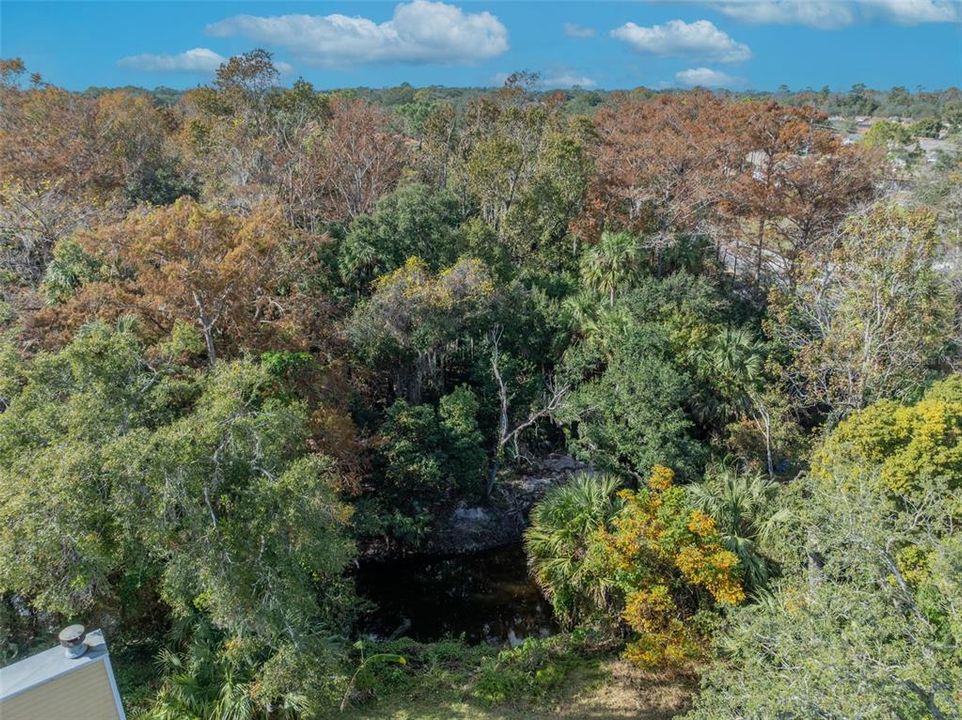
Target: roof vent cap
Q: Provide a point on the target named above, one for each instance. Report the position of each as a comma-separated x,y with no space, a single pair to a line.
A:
72,639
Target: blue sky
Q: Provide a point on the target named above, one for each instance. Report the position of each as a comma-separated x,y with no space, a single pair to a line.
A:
758,44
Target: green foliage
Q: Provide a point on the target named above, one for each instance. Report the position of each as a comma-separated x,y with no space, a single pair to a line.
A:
563,525
926,127
644,374
70,268
744,508
865,620
435,666
415,317
161,184
428,456
284,365
888,134
410,222
537,225
603,559
466,458
11,368
730,364
62,541
185,343
301,101
364,669
534,670
112,496
412,452
446,677
612,265
268,524
628,409
210,677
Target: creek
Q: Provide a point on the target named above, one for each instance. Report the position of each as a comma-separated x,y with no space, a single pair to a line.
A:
483,597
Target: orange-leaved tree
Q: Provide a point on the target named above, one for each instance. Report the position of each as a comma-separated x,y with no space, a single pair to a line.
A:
234,277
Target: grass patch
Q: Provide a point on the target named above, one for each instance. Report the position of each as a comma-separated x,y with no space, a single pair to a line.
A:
564,676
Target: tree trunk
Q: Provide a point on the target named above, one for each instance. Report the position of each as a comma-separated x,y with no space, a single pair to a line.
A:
760,242
209,342
492,477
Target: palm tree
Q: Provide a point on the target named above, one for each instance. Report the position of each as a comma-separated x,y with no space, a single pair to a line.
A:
739,356
735,361
203,681
611,264
557,543
745,511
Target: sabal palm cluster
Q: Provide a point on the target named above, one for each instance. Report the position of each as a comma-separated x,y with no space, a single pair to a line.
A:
744,508
558,540
736,360
612,264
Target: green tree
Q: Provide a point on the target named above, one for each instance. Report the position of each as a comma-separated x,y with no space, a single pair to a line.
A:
632,392
627,410
416,317
537,227
864,622
458,414
410,222
255,521
735,387
65,548
732,362
125,480
426,457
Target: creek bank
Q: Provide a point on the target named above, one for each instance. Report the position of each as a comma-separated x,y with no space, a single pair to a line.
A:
469,578
472,528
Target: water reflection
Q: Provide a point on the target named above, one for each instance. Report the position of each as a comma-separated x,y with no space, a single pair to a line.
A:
486,597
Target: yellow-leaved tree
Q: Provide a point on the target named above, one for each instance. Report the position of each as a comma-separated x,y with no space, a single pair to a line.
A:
645,560
669,563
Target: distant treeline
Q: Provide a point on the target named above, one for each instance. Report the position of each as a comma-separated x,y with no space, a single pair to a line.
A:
859,100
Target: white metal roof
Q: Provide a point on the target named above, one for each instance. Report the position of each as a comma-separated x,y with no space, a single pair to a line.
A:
47,665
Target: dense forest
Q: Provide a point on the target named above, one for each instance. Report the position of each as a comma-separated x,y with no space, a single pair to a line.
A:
253,337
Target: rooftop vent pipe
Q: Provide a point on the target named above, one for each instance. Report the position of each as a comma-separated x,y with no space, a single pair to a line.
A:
72,640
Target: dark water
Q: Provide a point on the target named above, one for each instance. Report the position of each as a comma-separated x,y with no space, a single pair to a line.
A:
486,597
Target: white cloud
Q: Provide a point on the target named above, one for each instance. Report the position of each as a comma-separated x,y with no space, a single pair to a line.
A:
420,31
823,14
578,31
198,60
913,12
676,37
566,79
831,14
706,77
